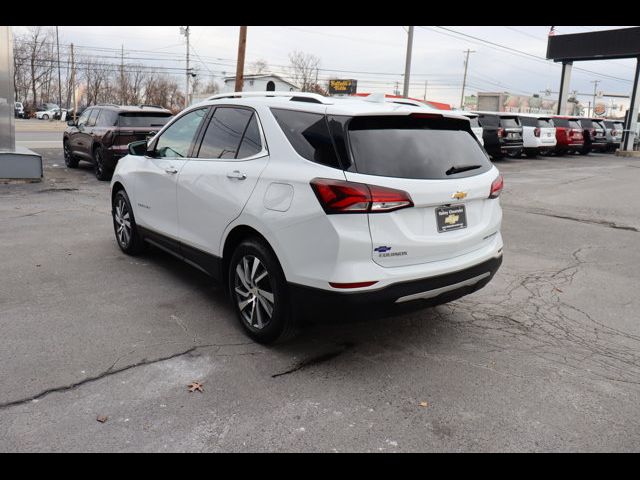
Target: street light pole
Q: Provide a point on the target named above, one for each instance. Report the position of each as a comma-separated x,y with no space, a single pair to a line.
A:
185,31
407,64
595,87
59,78
464,79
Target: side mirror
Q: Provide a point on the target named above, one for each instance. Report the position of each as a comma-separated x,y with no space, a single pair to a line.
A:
138,148
71,123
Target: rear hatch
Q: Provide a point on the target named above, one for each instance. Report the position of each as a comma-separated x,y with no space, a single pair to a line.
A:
547,130
134,126
445,171
511,130
600,133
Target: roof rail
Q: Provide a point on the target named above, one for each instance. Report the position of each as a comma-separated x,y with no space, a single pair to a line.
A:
149,105
106,105
318,98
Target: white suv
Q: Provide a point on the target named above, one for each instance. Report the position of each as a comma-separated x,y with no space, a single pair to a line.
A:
538,133
298,200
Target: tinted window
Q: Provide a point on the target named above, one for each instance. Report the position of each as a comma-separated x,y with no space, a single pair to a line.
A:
545,122
143,119
84,117
93,117
251,143
405,147
574,124
598,125
223,135
176,139
561,122
618,126
488,120
528,121
586,123
509,122
308,134
108,118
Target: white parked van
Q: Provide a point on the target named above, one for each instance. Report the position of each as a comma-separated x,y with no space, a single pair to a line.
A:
538,133
475,125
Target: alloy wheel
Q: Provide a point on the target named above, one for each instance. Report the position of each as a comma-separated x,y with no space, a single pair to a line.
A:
253,292
122,218
99,164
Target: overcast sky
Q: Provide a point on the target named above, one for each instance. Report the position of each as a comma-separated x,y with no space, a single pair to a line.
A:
373,55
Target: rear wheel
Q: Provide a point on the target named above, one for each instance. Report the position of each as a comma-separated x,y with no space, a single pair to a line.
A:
99,168
514,153
124,225
69,160
45,117
531,152
259,293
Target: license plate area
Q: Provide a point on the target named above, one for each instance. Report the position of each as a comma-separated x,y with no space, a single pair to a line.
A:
451,217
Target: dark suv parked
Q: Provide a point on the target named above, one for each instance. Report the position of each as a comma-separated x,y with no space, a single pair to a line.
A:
502,134
102,133
593,131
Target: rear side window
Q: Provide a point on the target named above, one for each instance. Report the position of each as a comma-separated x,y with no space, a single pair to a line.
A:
93,117
309,135
509,122
406,147
143,119
545,123
224,133
108,118
251,143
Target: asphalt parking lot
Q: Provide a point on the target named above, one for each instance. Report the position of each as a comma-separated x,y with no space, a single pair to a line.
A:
545,358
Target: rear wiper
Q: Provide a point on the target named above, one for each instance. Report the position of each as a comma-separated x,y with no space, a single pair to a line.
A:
453,170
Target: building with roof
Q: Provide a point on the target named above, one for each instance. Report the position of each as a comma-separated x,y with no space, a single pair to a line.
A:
260,83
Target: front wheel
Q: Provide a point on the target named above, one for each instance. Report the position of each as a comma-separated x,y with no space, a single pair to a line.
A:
45,117
124,225
258,290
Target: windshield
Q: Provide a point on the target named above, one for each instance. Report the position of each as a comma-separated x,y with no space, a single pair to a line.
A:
419,148
143,119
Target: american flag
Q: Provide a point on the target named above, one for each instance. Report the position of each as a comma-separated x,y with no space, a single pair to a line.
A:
552,32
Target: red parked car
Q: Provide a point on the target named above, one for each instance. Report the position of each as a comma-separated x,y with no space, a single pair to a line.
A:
569,138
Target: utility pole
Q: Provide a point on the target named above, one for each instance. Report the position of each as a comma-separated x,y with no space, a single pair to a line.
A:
73,85
242,47
59,78
407,64
185,31
122,102
464,80
425,91
595,88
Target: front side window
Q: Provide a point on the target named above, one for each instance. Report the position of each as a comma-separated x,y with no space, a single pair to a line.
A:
176,140
224,133
93,117
84,117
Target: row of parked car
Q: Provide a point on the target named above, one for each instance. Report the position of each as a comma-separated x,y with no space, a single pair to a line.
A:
45,111
513,134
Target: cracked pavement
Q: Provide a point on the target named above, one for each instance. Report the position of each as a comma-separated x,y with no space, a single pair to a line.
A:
545,358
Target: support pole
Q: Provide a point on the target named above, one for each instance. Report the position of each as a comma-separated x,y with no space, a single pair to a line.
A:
632,119
565,81
242,46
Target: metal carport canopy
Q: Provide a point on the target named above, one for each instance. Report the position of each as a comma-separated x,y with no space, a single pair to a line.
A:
603,45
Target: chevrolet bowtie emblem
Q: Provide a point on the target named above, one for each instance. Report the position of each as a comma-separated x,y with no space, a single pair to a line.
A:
459,195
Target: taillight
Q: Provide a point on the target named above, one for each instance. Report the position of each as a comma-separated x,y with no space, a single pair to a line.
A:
496,187
500,132
339,196
614,133
536,132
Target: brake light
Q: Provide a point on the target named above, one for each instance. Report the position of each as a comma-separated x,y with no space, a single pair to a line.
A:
536,132
500,132
339,196
425,115
496,187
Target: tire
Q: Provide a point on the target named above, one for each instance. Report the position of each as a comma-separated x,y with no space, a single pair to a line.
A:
45,117
127,236
259,293
584,151
69,160
514,153
531,152
99,168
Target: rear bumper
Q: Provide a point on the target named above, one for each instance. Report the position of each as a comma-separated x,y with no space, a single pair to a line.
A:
432,290
113,154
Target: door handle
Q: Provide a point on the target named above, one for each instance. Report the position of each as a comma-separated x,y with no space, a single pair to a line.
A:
171,170
236,174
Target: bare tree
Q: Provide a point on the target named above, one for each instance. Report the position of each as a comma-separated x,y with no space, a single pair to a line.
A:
304,69
136,76
211,88
258,67
38,58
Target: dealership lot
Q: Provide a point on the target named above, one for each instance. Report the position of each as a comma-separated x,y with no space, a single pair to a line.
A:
546,357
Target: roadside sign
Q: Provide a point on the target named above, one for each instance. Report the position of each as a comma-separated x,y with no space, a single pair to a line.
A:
343,87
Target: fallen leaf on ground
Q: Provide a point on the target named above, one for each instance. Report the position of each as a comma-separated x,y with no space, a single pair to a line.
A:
195,386
558,290
102,418
424,404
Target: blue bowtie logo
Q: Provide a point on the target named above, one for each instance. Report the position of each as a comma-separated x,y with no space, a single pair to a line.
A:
382,249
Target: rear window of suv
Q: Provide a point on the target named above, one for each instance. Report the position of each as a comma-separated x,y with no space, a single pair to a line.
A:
545,123
143,119
418,148
509,122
